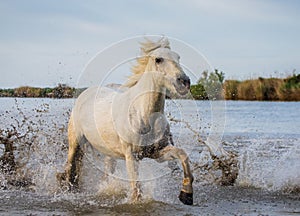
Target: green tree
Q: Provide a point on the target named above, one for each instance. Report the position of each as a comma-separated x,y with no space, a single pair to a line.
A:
212,83
209,86
220,75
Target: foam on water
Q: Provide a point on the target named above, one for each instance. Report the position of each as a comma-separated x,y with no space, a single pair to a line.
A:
271,164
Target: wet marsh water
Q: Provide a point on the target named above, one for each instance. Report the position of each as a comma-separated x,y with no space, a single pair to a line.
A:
264,135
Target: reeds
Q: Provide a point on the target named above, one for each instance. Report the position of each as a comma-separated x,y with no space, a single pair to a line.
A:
266,89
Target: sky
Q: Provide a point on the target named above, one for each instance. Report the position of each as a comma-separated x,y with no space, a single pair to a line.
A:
43,43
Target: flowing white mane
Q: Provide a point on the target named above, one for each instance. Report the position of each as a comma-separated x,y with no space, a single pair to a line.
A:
146,48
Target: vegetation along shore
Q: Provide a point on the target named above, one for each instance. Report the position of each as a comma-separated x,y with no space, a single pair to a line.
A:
210,86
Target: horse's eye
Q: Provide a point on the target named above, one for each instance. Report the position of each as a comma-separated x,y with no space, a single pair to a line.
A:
159,60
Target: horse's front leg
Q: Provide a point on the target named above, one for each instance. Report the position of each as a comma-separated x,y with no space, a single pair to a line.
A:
132,171
171,153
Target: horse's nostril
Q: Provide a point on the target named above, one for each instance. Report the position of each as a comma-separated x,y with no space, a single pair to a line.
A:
184,81
187,83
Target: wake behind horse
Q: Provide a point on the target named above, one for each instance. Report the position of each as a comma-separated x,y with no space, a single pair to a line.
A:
131,124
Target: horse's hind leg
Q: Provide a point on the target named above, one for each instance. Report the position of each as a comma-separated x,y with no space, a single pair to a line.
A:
72,171
109,167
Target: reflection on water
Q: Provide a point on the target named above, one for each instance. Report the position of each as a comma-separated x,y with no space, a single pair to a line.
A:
264,136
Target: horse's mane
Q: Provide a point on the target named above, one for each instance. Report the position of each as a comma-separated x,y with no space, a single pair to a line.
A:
146,48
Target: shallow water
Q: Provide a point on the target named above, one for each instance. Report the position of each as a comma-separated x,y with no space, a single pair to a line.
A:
264,135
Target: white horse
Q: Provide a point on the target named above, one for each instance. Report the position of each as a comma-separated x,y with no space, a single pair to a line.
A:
131,124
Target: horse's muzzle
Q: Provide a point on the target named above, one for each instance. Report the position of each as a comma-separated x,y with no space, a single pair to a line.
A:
184,84
185,80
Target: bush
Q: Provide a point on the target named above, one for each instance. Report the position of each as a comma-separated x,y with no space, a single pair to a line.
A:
199,92
290,89
231,89
209,86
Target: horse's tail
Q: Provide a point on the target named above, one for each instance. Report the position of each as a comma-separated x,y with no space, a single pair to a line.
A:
70,177
73,130
70,124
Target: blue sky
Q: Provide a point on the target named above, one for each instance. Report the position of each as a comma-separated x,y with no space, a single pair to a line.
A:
43,43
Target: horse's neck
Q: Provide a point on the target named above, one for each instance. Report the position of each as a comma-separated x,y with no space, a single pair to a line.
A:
154,102
143,106
147,98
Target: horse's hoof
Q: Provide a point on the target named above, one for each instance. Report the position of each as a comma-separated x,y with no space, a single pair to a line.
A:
61,177
186,198
66,185
136,196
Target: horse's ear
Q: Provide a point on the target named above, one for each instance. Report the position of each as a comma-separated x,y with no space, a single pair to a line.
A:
148,46
164,42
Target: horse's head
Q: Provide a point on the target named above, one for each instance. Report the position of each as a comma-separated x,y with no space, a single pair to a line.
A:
159,59
166,63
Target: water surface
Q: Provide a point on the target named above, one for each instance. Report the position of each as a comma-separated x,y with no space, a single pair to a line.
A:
265,136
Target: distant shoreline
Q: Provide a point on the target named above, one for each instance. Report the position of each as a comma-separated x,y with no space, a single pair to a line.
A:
261,89
60,91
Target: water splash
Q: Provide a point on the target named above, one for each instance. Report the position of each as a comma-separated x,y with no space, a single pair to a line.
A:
40,147
27,158
272,164
211,163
